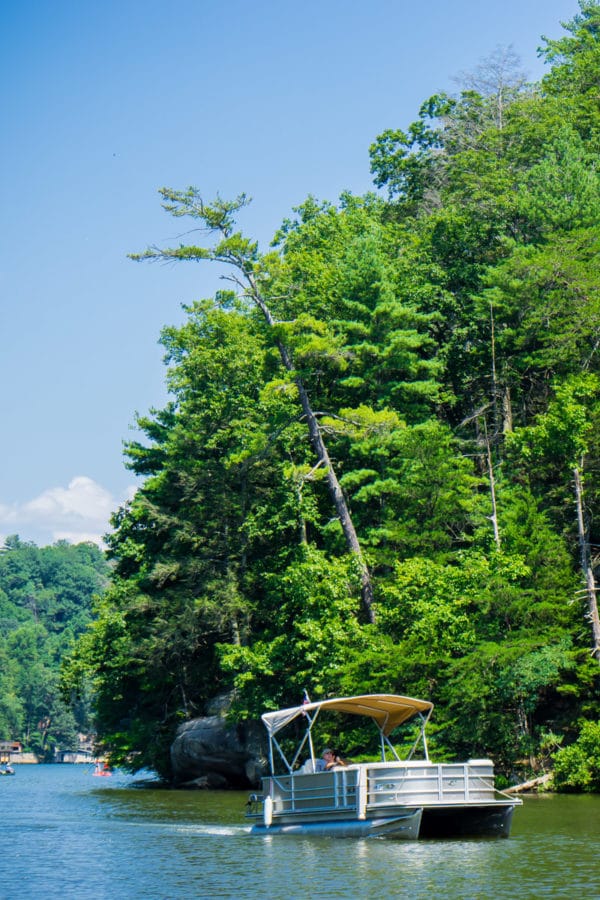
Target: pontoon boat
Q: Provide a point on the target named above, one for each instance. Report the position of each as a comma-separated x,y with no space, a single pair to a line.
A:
406,799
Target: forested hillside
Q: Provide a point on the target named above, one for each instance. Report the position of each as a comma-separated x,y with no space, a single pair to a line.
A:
45,605
378,470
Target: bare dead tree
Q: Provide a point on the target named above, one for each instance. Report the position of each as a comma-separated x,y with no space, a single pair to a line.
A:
586,564
498,77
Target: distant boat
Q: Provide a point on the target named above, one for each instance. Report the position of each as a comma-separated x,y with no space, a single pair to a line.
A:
102,771
7,770
402,799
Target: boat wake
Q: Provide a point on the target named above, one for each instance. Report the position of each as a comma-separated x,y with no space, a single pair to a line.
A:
208,830
217,830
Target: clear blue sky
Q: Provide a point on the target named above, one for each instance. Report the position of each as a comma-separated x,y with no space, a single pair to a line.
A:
102,104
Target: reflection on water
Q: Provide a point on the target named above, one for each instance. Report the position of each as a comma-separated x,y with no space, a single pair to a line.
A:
64,835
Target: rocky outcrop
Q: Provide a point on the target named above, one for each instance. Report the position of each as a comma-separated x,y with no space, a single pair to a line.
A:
209,752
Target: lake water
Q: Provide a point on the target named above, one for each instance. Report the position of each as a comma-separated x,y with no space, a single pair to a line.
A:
68,834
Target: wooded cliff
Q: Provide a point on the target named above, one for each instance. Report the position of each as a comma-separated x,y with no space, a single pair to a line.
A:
378,468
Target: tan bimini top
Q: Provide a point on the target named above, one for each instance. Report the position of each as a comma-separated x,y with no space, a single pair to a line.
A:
388,710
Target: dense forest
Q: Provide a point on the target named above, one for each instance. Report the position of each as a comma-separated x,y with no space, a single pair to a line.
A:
45,605
378,468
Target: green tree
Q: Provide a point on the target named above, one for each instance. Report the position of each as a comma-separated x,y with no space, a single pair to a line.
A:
575,60
558,447
577,767
45,603
251,274
398,399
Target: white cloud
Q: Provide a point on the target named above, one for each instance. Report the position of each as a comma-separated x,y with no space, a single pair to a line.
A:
79,512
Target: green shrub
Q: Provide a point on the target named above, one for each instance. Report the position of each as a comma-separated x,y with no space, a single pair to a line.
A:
577,767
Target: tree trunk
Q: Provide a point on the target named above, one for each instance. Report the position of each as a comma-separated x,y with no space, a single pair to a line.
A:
494,516
218,218
318,445
338,498
529,785
492,482
507,418
586,566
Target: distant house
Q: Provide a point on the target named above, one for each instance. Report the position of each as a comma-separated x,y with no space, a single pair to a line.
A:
10,751
82,754
73,756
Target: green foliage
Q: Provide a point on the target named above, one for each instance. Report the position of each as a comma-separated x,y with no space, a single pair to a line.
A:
489,697
577,767
315,632
45,605
444,345
434,607
575,67
562,434
562,438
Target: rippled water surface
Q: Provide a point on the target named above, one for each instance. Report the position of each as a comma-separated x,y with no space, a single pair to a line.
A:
68,834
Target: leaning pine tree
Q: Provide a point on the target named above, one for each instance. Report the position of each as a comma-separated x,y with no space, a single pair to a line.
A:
250,273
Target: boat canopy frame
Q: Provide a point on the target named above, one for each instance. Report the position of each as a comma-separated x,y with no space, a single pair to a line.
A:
387,711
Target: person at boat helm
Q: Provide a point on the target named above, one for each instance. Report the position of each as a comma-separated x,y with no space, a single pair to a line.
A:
329,760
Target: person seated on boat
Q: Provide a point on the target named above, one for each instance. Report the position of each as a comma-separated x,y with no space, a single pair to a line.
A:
329,760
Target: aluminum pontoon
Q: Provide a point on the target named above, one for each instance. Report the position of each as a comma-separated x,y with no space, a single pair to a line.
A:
403,799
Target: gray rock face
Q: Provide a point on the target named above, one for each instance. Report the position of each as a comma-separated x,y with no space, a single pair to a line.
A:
209,752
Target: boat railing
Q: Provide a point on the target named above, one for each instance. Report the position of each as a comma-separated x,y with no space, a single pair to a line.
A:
363,787
317,792
431,783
